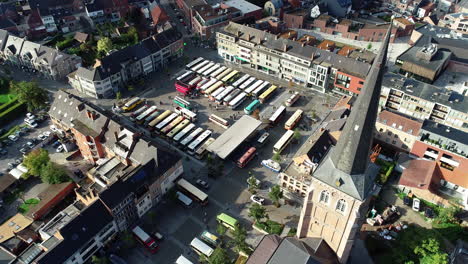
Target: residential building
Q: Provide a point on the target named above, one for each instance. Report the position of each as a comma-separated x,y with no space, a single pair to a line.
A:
51,197
111,73
288,59
343,183
208,20
8,11
426,9
295,18
461,6
271,24
397,130
186,6
100,11
247,9
424,101
455,21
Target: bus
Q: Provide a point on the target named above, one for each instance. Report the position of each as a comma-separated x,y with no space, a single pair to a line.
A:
293,120
200,65
202,82
184,199
131,104
201,151
192,191
141,118
201,248
260,89
193,83
145,239
158,119
277,115
166,121
263,138
172,125
247,83
213,88
249,90
251,107
231,96
210,70
242,79
184,132
210,238
183,103
291,100
283,142
228,78
186,113
267,94
178,128
191,137
223,74
218,72
207,85
183,260
219,98
247,157
238,100
227,221
193,63
151,117
215,94
198,142
206,67
182,83
138,112
219,121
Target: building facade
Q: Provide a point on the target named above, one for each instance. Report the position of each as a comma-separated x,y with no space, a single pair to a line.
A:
396,130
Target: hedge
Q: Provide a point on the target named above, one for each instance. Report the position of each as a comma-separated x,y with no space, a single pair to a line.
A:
5,106
12,113
270,226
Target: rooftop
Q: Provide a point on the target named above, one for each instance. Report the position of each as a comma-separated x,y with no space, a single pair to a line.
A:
244,6
47,198
13,225
455,140
5,256
419,174
399,121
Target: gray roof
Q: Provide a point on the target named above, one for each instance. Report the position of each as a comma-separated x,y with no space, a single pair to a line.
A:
292,251
3,38
456,46
264,250
30,49
346,166
6,257
14,44
446,134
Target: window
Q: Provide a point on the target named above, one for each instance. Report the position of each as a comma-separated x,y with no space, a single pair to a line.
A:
389,133
324,196
341,206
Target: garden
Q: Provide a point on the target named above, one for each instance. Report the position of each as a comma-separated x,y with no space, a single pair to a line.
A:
10,105
28,204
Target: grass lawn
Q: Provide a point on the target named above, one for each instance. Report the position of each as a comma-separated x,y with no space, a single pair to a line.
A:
24,208
5,98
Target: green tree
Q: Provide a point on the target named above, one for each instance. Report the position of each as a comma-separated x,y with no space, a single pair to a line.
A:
276,157
275,195
297,134
404,250
257,212
51,173
369,46
221,229
118,95
97,260
447,215
239,235
253,185
30,93
104,45
219,256
430,253
35,161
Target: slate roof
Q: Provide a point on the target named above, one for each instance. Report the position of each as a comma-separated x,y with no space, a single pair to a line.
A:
3,39
6,23
292,251
456,46
6,257
265,249
453,134
14,44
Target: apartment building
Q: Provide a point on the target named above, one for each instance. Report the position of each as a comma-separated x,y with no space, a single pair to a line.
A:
397,130
455,21
113,72
424,101
100,11
27,55
207,20
286,58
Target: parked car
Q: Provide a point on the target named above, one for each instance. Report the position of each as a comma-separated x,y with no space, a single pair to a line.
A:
158,235
429,213
46,133
13,138
31,144
24,150
32,124
60,148
407,201
56,144
3,151
202,183
41,137
53,128
257,199
11,165
416,204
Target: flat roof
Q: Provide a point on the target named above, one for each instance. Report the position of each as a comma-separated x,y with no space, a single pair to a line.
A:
234,136
244,6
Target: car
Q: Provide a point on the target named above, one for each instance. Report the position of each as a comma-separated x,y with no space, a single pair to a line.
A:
24,150
46,133
30,116
158,235
41,137
202,183
11,165
53,128
30,144
56,144
18,160
407,201
32,124
13,138
25,129
416,204
60,148
272,165
429,213
257,199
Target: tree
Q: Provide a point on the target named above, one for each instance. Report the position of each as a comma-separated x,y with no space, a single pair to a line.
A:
275,195
221,229
51,173
369,46
31,94
253,185
104,45
219,256
97,260
297,134
276,157
447,215
215,167
239,235
35,161
257,212
430,253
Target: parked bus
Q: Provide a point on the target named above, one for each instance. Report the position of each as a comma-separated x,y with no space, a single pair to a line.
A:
293,120
135,114
131,104
242,79
283,142
251,107
263,138
141,118
202,82
201,248
193,83
223,74
238,100
198,142
151,117
219,97
201,151
178,128
231,96
145,239
200,65
291,100
186,75
249,90
206,67
207,85
230,77
247,157
218,72
210,238
184,199
214,94
267,94
210,70
172,125
183,260
186,113
158,119
247,83
193,63
191,137
182,83
227,221
192,191
183,103
257,92
213,88
184,132
219,121
166,121
277,115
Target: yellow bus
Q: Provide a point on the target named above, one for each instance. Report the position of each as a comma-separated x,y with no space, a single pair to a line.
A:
178,128
293,120
131,104
267,94
228,77
158,119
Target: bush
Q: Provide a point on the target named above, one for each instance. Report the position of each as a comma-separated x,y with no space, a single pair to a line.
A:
270,226
12,113
292,231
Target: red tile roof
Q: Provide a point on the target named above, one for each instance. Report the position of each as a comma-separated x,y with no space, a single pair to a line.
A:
419,174
395,120
159,15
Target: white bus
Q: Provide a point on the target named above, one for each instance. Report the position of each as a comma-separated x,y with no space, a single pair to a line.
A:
238,100
151,117
214,94
218,72
201,151
166,121
184,75
231,96
210,70
206,67
145,239
194,62
192,191
283,142
183,260
200,65
249,90
194,81
208,84
201,248
293,120
186,113
291,100
257,92
198,141
190,137
230,77
240,80
184,132
184,199
141,118
219,97
274,119
219,121
213,88
247,83
165,130
202,82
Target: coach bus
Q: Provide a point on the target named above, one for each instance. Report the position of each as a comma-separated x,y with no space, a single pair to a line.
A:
191,137
158,119
183,103
183,260
283,142
218,72
166,121
219,121
198,142
227,221
267,94
251,107
206,67
242,79
238,100
184,132
214,94
141,118
258,91
207,85
213,88
193,63
201,248
193,83
178,128
219,97
186,113
200,65
249,90
247,157
247,83
131,104
277,115
145,239
210,70
202,82
230,77
192,191
293,120
291,100
231,96
202,150
165,130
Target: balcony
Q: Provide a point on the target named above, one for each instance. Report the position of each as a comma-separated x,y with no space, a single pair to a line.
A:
394,99
396,93
392,105
441,108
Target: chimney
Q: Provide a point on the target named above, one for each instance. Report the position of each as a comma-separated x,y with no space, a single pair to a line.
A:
285,48
248,37
88,113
